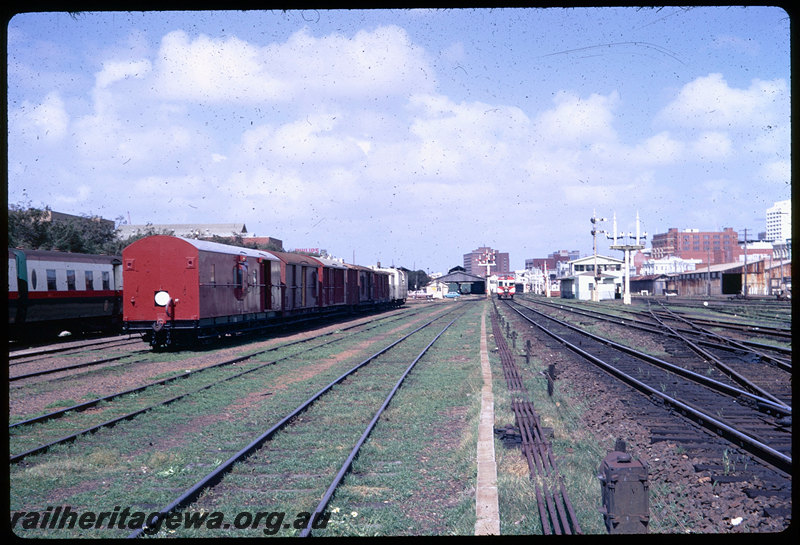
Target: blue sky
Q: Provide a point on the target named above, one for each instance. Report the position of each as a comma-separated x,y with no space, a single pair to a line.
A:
408,137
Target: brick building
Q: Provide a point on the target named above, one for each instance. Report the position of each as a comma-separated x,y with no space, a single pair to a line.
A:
716,246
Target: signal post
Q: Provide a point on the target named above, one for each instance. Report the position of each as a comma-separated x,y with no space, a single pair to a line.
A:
627,249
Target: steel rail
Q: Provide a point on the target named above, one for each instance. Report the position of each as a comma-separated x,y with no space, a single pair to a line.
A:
345,468
721,387
782,364
70,367
536,449
131,415
731,374
635,322
212,478
93,402
36,352
766,453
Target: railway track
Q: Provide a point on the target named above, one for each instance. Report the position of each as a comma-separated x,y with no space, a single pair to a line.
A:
22,438
759,432
760,369
275,388
375,369
753,308
28,354
645,320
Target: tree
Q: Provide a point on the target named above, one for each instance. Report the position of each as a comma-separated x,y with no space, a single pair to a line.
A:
417,279
35,229
28,227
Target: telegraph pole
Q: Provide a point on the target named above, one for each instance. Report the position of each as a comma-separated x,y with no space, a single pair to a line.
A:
596,290
745,262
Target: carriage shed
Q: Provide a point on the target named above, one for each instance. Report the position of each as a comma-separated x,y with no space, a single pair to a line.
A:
464,283
729,278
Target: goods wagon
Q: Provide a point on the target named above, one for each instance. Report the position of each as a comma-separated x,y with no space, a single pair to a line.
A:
180,291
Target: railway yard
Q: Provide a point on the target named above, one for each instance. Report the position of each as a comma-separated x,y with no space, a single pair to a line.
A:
369,426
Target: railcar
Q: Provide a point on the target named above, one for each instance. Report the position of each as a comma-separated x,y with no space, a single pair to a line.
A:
506,288
50,292
398,285
180,291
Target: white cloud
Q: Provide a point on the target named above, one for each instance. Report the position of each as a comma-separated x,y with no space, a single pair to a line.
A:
712,145
574,120
382,62
48,120
710,103
214,70
777,171
116,71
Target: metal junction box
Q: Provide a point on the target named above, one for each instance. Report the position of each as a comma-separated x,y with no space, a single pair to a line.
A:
625,487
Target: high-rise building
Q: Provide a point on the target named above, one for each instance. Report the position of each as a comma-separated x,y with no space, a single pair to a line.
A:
474,262
779,222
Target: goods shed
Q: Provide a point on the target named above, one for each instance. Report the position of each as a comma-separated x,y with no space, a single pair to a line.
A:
649,284
463,283
731,278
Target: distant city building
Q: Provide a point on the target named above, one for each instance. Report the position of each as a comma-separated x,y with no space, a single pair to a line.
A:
716,246
668,265
60,217
473,260
758,250
779,222
553,261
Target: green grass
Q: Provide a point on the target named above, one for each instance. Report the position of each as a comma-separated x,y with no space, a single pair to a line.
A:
145,463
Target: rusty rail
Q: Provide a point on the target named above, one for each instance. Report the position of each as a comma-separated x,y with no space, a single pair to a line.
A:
555,509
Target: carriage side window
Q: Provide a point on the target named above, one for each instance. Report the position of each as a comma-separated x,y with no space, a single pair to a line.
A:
70,280
51,280
33,278
213,274
106,280
89,277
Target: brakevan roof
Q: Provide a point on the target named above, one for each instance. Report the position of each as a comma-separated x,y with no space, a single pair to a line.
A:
207,246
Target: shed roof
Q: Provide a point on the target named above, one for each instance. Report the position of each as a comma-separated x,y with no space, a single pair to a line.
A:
460,277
